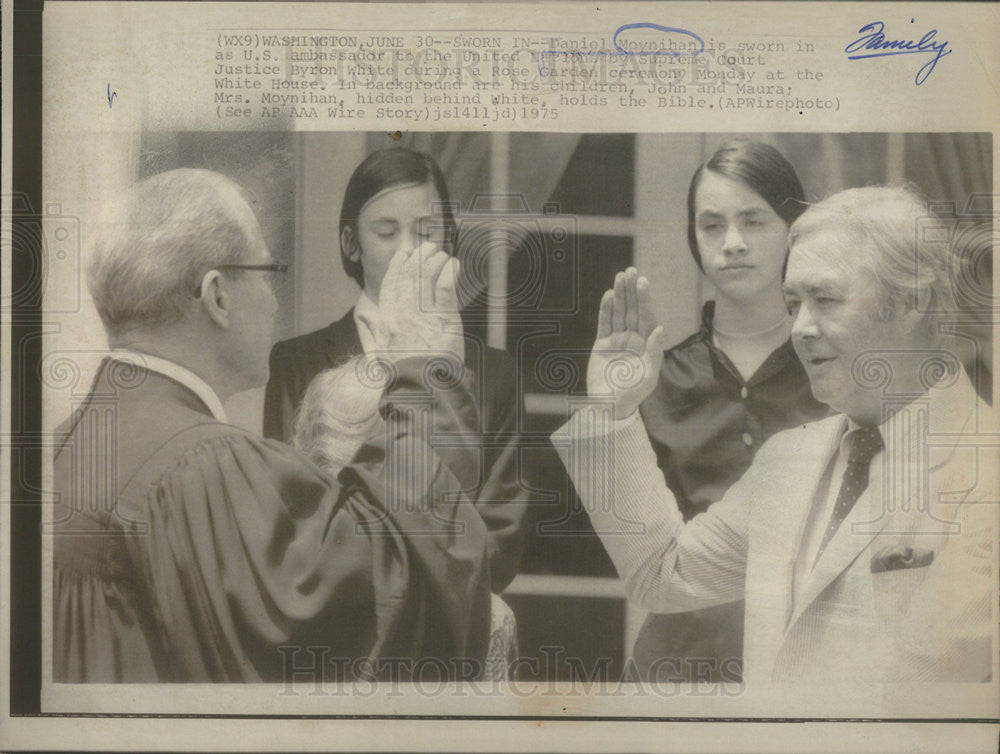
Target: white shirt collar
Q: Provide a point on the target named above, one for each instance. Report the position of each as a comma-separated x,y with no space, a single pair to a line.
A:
176,372
846,439
942,410
367,319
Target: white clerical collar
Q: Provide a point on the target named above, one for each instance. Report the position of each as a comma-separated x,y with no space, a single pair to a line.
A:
176,372
367,318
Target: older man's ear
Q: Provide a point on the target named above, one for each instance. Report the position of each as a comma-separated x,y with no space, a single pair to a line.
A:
915,316
215,299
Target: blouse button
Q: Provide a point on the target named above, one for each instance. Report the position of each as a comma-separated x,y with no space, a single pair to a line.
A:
744,392
747,439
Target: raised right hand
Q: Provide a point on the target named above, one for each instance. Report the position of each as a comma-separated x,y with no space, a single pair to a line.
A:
625,361
418,304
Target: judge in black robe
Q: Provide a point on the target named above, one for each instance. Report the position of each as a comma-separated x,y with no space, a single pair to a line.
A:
187,549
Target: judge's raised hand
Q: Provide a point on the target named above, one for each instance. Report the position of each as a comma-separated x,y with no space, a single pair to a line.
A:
625,361
418,303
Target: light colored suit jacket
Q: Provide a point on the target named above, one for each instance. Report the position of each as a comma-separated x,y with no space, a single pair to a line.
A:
903,591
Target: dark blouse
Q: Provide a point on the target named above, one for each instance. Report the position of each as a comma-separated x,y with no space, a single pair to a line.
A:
706,422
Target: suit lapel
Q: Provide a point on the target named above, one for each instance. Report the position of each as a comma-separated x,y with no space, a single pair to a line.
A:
343,340
894,493
799,489
856,532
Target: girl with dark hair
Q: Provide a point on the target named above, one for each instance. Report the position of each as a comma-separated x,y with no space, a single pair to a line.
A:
730,386
419,181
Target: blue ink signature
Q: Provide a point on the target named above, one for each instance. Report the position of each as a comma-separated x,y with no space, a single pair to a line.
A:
873,39
111,96
620,51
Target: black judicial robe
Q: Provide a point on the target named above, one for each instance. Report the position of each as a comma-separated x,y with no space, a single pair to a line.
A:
190,550
497,492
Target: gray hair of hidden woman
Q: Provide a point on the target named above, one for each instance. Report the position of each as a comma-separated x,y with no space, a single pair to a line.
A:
338,413
157,242
889,222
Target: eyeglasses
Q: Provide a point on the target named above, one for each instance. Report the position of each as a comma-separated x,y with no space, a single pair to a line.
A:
280,267
277,267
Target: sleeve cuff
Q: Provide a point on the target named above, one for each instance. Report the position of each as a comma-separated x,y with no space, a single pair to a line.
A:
594,421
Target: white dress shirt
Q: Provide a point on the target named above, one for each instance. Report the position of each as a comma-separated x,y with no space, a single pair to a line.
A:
176,372
827,492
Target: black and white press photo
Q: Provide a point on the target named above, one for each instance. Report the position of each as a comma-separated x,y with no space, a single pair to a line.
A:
278,305
393,375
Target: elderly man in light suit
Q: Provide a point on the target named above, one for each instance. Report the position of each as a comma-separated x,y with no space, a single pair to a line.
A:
862,543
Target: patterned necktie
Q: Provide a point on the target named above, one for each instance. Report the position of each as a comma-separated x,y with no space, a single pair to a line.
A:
866,442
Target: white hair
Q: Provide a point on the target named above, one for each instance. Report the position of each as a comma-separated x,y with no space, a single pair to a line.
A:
889,221
161,239
338,413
